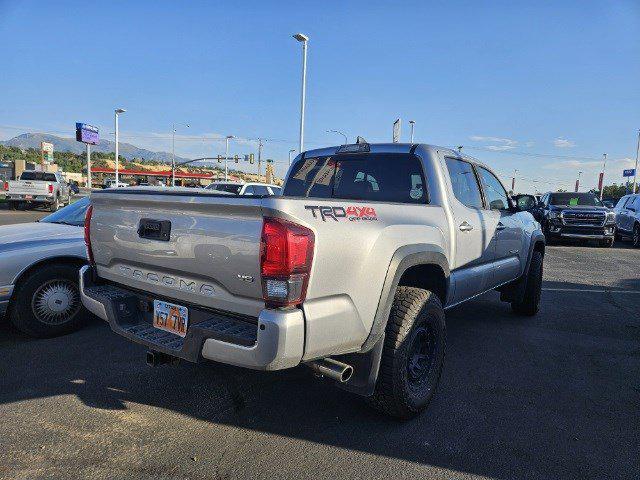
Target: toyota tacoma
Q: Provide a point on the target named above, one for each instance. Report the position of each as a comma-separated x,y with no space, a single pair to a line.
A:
349,272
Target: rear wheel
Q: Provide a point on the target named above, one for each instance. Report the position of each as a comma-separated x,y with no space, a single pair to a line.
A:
413,354
530,302
55,205
47,302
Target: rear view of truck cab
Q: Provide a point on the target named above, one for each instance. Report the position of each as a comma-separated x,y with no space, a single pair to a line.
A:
348,272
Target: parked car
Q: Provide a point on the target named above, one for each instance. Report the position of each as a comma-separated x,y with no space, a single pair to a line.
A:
39,265
349,272
238,188
578,216
627,212
111,183
38,188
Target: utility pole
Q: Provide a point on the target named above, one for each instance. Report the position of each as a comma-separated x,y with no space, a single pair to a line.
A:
412,123
635,173
604,166
513,182
259,156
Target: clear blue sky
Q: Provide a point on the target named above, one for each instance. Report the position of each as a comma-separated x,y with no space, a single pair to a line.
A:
502,78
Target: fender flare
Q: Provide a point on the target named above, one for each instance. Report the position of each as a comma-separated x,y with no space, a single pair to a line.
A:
403,258
366,363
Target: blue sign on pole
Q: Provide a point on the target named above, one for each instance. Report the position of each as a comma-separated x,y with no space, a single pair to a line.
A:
87,134
631,172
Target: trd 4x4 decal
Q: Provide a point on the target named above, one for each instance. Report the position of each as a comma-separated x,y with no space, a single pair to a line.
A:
351,212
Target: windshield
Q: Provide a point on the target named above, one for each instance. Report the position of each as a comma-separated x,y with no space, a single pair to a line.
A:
225,187
384,177
70,215
575,199
30,175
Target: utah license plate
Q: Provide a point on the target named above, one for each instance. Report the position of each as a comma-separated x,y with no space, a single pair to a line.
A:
170,317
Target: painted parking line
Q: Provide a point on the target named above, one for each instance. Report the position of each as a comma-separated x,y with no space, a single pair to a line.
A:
588,290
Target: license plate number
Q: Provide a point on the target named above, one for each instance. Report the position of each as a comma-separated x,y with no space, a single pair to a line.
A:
28,197
170,317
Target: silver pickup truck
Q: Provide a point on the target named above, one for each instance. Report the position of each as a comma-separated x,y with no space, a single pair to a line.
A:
349,272
38,188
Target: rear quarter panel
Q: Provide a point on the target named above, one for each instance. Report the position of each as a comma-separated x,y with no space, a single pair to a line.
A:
351,259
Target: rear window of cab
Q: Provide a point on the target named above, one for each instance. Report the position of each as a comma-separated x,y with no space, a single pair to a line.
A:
381,177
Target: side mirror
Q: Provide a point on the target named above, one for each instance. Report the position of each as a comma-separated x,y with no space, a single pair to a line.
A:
525,203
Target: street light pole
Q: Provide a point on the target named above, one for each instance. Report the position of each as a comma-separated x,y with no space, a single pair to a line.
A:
290,152
302,38
173,154
604,166
635,173
118,111
578,182
346,140
513,182
226,157
412,123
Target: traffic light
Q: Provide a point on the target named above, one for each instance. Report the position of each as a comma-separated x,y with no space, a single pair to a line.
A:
251,158
219,158
236,158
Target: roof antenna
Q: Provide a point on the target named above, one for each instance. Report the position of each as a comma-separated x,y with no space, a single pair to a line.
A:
360,140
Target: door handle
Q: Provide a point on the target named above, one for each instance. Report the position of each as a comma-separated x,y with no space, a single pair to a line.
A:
465,227
500,226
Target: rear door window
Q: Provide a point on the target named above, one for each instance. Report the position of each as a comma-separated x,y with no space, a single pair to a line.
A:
383,177
497,197
464,182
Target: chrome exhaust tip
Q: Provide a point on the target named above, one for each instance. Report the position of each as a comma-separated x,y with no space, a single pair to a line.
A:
328,367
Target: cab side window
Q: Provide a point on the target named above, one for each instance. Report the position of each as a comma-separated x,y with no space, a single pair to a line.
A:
464,182
497,197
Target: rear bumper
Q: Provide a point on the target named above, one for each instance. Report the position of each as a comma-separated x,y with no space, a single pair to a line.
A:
33,198
273,341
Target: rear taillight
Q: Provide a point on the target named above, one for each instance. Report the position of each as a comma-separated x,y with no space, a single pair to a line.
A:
50,188
6,186
87,233
286,253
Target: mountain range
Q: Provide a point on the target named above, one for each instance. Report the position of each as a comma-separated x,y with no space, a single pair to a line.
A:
62,144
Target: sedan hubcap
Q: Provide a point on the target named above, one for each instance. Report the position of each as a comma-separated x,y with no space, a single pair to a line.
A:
55,302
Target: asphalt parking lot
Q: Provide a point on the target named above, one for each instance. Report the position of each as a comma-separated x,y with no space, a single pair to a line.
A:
554,396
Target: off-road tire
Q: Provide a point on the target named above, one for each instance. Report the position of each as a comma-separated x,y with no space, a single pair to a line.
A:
530,302
21,310
413,312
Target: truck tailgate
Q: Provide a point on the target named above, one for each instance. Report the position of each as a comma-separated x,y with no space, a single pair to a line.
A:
210,256
28,187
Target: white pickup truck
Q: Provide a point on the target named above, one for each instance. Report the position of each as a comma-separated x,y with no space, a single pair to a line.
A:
38,188
349,272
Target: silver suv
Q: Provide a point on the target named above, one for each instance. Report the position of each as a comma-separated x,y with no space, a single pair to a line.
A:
628,218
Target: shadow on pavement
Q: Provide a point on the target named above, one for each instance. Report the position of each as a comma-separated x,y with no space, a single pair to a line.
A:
519,397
